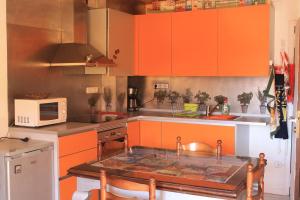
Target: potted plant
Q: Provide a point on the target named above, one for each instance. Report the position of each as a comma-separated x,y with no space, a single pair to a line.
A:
202,98
92,101
160,96
187,96
107,96
244,100
173,96
263,100
220,102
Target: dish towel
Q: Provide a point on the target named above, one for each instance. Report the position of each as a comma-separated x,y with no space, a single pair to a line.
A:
280,104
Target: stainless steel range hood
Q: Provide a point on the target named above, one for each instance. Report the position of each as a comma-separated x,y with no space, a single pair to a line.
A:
80,53
76,54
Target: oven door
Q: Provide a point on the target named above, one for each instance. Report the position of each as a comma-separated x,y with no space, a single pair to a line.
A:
111,142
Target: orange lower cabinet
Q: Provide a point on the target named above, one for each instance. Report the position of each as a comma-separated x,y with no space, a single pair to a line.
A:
67,187
66,162
94,195
150,134
71,144
133,131
198,132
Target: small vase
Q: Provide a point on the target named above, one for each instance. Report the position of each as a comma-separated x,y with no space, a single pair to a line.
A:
262,109
244,108
202,107
93,114
108,107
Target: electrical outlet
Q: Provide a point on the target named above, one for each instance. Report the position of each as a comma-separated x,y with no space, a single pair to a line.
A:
161,86
91,90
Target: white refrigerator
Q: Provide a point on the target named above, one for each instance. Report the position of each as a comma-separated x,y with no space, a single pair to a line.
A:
26,170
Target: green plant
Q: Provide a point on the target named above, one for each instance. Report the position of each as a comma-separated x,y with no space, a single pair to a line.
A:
220,99
93,99
160,95
202,97
107,95
261,96
187,96
245,98
173,96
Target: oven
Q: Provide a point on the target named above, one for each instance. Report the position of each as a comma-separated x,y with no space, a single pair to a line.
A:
111,142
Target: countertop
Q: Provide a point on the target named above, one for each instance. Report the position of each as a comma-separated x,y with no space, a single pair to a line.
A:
170,117
60,130
69,128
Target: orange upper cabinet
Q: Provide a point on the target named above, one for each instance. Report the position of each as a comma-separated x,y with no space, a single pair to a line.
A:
194,43
243,39
154,44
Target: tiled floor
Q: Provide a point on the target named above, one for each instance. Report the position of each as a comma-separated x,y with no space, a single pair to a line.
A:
275,197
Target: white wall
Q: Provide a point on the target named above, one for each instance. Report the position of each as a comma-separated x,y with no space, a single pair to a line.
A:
3,71
286,14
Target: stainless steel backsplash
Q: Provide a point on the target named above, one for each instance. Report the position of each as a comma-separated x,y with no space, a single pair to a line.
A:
227,86
33,28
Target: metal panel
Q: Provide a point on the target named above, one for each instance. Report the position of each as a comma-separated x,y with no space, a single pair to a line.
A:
30,47
3,179
44,14
230,87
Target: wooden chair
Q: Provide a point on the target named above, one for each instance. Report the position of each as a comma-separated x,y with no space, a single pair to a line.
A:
256,175
100,150
126,185
200,147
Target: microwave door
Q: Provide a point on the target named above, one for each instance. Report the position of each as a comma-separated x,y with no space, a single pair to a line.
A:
49,111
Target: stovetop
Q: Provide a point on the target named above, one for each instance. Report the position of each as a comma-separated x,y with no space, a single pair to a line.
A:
106,120
100,117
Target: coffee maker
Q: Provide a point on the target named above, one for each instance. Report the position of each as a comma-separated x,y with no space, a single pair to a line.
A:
132,103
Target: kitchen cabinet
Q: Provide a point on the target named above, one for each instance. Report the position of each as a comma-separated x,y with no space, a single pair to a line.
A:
195,43
75,143
163,134
150,134
73,150
67,187
133,132
154,44
121,38
243,41
198,132
112,33
66,162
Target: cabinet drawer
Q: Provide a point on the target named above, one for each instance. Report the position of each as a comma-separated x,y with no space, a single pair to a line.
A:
69,161
76,143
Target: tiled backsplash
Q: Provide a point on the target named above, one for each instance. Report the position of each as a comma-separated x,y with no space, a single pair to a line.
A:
230,87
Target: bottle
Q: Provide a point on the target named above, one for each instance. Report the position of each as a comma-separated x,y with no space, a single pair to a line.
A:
225,107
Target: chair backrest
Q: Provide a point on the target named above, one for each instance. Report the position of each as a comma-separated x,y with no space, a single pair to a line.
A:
126,185
199,147
256,175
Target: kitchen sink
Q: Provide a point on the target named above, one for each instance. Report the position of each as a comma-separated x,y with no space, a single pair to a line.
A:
219,117
196,115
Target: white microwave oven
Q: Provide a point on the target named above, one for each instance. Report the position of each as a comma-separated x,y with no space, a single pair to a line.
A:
40,112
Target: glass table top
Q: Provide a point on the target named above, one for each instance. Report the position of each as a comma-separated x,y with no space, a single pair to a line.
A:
166,162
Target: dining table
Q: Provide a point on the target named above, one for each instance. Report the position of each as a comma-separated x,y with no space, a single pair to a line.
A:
188,173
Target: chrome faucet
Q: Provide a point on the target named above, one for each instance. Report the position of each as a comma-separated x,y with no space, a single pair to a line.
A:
210,111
